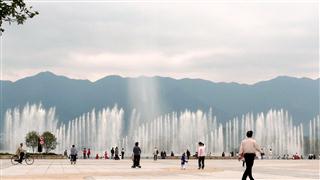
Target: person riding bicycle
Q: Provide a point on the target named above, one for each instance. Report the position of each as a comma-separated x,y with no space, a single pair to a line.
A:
20,152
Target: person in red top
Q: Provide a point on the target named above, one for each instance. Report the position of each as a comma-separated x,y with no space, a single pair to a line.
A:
88,153
84,153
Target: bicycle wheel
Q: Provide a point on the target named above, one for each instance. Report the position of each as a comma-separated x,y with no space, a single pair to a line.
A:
29,160
14,158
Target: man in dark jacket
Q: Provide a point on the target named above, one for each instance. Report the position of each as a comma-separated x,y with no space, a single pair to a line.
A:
188,154
112,153
136,156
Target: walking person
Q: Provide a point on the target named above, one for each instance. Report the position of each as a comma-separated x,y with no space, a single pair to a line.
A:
201,155
88,153
262,153
116,154
65,153
248,149
136,156
184,161
112,153
73,154
172,154
122,153
84,153
188,154
155,153
270,154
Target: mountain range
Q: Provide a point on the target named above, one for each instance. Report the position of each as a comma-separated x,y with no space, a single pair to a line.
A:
153,96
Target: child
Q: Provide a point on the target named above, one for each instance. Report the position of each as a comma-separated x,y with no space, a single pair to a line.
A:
183,161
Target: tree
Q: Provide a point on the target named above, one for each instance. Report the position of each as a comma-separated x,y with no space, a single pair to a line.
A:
15,11
50,141
32,139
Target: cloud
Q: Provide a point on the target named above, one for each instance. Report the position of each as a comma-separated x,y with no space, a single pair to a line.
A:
215,41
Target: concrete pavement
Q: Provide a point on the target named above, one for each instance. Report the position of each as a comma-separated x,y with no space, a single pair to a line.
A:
161,169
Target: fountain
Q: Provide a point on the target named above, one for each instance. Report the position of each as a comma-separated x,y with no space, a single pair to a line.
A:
18,122
314,135
103,129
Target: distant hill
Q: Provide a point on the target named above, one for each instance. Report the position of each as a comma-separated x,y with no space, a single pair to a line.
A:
153,96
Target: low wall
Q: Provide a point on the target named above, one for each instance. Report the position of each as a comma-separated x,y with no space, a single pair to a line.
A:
207,157
36,156
60,156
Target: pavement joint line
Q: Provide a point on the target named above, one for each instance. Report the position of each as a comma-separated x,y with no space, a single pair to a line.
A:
62,167
47,168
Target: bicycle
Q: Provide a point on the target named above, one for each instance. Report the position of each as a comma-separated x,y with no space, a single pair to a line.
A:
27,158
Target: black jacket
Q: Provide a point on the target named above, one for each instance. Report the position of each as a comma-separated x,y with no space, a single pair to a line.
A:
136,150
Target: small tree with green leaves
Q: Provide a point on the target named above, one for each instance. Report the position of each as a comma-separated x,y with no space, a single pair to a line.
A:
50,141
32,139
15,11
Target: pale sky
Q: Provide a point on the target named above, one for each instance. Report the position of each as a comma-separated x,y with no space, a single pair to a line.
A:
239,42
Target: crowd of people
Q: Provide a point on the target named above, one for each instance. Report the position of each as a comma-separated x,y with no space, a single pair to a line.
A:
247,153
86,154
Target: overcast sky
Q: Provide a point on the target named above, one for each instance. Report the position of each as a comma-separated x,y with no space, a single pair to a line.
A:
240,42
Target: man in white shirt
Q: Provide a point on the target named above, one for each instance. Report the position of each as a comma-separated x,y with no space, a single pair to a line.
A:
270,154
155,153
248,149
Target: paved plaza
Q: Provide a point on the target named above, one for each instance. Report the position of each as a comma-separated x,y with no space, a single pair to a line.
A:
161,169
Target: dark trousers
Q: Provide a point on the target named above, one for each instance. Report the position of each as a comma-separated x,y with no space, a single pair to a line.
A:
73,157
155,157
201,162
136,160
84,156
122,155
21,157
249,159
116,157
